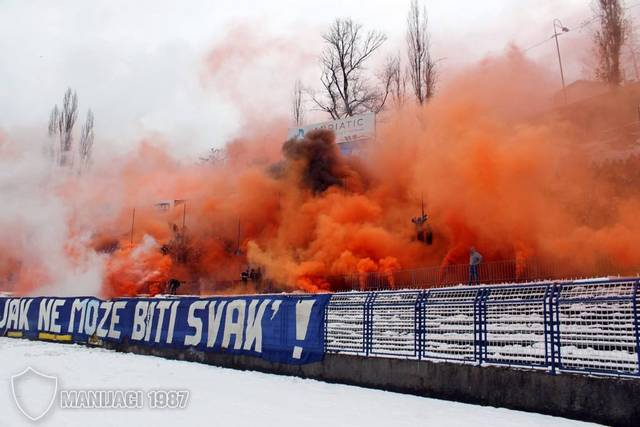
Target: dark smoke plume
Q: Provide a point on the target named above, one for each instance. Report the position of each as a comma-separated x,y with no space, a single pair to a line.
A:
320,161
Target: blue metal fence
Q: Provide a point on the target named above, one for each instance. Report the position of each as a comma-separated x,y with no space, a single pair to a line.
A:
590,327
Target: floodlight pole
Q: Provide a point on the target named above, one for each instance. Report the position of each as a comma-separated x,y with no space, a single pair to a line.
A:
184,215
133,220
238,241
558,25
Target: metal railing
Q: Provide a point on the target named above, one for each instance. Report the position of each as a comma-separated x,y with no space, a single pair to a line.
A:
494,272
588,327
508,271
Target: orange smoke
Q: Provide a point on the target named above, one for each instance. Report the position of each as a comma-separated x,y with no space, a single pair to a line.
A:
498,167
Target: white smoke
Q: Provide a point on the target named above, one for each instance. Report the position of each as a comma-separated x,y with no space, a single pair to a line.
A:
34,224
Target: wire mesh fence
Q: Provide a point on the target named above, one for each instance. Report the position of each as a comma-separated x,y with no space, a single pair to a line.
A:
516,325
449,324
345,324
598,327
393,321
588,327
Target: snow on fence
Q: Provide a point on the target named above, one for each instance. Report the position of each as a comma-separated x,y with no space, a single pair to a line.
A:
588,327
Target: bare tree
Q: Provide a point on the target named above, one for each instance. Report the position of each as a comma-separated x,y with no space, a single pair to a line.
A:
345,86
54,121
68,118
608,40
387,83
61,123
632,51
297,104
422,67
397,80
86,141
216,157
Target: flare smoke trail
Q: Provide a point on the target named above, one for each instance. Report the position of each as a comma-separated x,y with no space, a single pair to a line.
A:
498,168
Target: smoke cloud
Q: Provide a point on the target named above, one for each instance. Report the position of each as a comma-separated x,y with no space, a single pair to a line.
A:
498,167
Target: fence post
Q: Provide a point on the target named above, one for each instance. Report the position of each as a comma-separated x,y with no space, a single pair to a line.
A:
367,323
480,324
483,329
476,323
556,323
636,321
419,322
326,325
548,348
553,320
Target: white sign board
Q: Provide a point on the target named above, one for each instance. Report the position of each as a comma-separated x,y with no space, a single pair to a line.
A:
356,128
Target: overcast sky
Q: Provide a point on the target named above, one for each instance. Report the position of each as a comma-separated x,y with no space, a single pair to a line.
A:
141,65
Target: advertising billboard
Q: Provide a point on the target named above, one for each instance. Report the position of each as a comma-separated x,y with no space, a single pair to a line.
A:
354,129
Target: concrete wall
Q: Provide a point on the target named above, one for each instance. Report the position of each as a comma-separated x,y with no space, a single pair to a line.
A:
611,401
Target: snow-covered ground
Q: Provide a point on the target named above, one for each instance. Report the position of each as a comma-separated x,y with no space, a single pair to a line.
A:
226,397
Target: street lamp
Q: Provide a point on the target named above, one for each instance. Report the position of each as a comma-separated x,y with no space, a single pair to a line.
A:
557,25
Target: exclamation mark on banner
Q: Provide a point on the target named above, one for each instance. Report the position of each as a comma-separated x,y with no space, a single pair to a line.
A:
303,314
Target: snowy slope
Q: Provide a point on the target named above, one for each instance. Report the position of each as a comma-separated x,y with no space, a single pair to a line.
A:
225,397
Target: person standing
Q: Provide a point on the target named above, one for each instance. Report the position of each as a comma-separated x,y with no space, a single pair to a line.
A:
475,258
174,284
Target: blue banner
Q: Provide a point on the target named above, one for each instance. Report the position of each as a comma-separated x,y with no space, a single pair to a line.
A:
278,328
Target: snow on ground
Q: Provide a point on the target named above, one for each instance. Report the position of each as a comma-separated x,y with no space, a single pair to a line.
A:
227,397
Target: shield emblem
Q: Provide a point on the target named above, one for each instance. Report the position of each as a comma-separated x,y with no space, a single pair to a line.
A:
33,392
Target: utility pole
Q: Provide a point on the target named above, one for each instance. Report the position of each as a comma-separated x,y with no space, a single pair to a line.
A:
183,238
184,216
558,25
182,202
238,251
133,220
422,233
